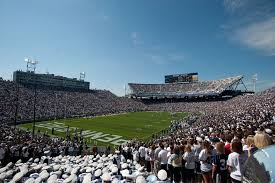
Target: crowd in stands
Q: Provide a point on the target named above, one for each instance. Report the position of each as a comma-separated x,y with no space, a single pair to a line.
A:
183,89
216,147
51,104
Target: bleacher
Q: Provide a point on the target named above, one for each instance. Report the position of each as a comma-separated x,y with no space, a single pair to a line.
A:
180,90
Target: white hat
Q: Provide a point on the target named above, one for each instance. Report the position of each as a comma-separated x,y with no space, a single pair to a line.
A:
137,166
34,175
64,176
89,170
106,177
18,164
56,167
100,165
98,172
117,151
269,131
36,160
46,152
162,175
124,166
104,170
140,179
37,167
124,172
94,164
45,167
114,169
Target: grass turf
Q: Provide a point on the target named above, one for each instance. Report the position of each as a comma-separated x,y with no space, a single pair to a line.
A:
138,125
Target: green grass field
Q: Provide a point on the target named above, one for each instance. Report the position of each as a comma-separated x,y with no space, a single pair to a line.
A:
111,129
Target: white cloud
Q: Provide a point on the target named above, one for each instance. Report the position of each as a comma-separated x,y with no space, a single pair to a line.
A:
251,23
259,35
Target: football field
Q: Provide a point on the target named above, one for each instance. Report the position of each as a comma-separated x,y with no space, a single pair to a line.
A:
113,129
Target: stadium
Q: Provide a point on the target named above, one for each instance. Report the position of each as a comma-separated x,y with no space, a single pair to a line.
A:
54,117
141,91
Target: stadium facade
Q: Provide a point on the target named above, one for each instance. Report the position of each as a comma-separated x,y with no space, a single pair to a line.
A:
49,80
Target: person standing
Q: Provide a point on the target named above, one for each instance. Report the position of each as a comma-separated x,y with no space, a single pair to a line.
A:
176,160
157,162
189,158
206,163
219,171
236,161
147,159
163,158
170,155
142,153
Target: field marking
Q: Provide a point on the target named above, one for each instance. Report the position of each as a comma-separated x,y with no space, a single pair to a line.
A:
92,135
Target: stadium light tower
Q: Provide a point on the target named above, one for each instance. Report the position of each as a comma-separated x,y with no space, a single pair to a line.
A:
254,80
82,76
31,64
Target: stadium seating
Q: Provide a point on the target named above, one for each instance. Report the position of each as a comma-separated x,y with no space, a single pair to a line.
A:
51,103
205,88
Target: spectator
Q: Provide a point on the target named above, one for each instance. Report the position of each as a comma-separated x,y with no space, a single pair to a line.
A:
176,159
206,164
262,140
219,171
189,158
163,158
236,161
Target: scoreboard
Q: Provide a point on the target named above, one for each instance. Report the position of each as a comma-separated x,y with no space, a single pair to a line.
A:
182,78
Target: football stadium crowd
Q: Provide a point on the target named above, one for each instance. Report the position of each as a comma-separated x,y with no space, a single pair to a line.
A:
214,146
54,104
184,89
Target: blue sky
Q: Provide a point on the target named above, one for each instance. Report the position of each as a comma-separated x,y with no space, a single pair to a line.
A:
116,42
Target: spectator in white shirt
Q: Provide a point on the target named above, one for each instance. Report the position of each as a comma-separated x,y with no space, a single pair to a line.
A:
163,158
157,162
205,160
236,161
142,153
189,158
170,155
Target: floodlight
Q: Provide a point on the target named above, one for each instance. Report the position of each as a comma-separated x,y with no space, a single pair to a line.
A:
34,62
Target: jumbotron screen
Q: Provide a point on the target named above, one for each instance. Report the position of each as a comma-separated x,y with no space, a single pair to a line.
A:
182,78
